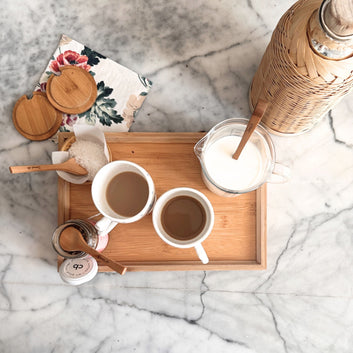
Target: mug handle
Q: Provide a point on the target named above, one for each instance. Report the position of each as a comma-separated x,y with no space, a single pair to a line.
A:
201,253
280,174
105,225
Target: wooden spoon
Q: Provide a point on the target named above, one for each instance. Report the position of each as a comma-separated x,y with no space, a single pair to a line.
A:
72,240
70,166
257,115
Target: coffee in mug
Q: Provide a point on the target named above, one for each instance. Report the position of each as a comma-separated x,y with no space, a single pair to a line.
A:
184,218
123,192
127,193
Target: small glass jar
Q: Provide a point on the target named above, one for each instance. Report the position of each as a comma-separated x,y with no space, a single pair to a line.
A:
89,233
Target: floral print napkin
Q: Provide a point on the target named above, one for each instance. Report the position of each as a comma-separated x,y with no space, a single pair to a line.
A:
120,91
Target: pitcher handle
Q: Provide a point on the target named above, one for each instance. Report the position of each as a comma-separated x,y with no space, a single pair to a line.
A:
280,174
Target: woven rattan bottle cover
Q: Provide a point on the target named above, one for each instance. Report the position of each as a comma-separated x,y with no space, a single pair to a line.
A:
73,92
35,118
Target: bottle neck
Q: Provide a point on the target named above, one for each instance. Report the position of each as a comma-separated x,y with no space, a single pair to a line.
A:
323,38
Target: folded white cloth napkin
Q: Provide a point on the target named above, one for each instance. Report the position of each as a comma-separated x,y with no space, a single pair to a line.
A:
121,91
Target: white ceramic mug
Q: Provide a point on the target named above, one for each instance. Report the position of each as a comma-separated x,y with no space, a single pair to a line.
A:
198,239
99,188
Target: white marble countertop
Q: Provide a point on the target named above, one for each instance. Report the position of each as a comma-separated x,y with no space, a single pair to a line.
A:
201,56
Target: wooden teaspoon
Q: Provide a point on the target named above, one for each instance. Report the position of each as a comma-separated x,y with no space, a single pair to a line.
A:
257,115
72,240
70,166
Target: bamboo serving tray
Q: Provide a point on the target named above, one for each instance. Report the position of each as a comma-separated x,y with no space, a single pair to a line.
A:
238,239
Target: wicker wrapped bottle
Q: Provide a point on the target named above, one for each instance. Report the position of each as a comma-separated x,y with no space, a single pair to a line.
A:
308,65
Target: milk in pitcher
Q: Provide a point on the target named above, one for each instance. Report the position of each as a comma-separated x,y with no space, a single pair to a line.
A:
229,173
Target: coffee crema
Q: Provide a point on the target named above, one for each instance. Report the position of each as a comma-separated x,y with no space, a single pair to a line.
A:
127,193
183,217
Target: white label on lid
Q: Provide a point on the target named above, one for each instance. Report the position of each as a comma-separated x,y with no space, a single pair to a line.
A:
76,269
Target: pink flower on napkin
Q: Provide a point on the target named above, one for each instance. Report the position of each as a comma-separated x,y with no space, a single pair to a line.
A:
42,87
69,57
117,102
69,119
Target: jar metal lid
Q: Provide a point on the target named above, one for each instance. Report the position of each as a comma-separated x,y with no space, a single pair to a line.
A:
326,28
78,271
88,232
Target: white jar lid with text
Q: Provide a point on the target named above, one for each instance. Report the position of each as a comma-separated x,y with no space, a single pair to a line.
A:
78,271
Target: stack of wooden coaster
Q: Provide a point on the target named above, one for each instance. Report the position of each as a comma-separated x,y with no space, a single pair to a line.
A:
74,91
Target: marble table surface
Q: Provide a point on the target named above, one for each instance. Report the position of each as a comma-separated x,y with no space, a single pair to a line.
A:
201,56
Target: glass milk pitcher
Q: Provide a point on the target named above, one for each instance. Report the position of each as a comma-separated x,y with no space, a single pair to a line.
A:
256,165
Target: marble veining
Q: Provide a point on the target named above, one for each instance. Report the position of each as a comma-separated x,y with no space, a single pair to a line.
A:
201,57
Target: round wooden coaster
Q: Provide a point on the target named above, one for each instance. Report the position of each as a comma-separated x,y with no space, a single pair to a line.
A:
35,118
73,92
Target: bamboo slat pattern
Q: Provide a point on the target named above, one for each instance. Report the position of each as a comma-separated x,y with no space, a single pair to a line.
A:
299,84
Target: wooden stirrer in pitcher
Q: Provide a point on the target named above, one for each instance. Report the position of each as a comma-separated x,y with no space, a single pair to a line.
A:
256,117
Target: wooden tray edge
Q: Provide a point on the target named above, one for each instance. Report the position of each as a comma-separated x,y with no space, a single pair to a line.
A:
161,137
261,226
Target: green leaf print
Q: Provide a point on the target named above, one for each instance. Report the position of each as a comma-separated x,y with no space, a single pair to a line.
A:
102,90
93,56
63,129
145,81
102,108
